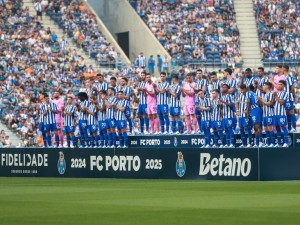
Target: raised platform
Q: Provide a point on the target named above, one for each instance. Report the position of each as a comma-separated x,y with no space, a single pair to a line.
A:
154,163
188,141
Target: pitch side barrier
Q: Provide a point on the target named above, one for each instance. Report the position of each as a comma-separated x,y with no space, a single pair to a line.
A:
156,162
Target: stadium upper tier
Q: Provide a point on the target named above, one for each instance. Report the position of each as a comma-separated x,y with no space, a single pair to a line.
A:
194,31
278,25
80,24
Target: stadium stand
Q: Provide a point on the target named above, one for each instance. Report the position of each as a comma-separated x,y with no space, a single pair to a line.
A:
34,61
79,23
278,25
197,31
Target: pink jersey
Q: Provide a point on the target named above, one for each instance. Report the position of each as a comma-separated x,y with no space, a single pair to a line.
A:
150,99
59,104
277,79
189,100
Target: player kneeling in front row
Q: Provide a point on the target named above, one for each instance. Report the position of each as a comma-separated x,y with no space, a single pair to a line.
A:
121,120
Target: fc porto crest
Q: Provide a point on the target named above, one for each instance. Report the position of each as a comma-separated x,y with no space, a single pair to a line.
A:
180,165
175,142
290,141
61,164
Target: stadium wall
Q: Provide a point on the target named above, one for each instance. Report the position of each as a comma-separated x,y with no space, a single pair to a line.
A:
156,162
119,17
109,36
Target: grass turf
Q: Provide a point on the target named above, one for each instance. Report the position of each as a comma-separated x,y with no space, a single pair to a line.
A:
39,201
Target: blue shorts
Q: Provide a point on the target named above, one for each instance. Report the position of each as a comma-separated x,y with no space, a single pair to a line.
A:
197,112
82,124
255,116
69,129
268,121
216,125
83,128
93,128
111,123
280,121
128,112
42,127
289,105
142,110
121,124
244,122
162,109
102,125
229,123
175,111
50,127
205,125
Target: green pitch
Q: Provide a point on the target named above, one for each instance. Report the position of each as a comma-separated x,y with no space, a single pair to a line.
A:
40,201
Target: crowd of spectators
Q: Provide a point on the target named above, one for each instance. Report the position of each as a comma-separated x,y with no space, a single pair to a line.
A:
194,31
79,23
32,60
4,140
278,23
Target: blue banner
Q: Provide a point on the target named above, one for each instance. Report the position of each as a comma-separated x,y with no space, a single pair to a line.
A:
154,163
213,164
186,141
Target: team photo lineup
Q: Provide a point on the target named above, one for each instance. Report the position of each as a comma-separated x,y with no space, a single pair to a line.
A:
199,104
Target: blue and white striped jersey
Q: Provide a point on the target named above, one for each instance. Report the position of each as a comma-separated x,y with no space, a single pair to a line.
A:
215,110
261,83
279,109
205,114
227,111
268,110
119,114
110,112
202,83
83,104
290,81
243,104
102,86
232,83
249,81
141,60
216,85
91,119
49,118
197,99
41,116
253,100
163,98
69,120
175,102
101,115
142,96
127,91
